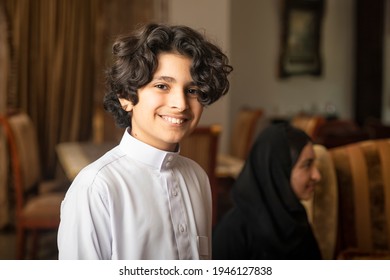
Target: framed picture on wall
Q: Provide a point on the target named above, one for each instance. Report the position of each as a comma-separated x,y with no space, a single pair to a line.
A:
300,38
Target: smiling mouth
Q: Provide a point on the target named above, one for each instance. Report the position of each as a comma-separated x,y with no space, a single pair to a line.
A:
173,120
311,187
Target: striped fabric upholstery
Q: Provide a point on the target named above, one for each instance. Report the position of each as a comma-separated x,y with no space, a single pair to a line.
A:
363,174
322,209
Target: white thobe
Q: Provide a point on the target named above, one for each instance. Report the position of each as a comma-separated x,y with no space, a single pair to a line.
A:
137,202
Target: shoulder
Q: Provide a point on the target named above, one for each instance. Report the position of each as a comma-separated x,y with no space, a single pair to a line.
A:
94,176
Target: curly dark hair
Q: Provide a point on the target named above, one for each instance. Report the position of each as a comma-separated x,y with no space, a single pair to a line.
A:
136,62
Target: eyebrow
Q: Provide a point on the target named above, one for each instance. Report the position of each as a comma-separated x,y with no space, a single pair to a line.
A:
165,78
171,80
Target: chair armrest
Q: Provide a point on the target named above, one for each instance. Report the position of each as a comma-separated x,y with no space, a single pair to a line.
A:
51,186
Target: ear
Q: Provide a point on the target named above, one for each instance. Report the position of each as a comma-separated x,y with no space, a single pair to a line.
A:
126,104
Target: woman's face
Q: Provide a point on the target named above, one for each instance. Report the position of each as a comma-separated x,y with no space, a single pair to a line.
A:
305,174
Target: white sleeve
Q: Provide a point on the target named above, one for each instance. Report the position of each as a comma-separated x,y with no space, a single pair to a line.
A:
84,231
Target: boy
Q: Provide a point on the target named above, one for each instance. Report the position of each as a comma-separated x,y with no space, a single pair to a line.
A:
142,200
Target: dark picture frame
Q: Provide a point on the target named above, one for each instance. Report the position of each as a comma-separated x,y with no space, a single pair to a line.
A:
301,34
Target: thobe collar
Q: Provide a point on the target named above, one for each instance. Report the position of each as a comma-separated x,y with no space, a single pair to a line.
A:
149,155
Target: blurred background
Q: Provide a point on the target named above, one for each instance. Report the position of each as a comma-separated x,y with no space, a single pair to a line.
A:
53,55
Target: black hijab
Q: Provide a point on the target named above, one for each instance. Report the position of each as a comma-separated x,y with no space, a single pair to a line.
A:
268,221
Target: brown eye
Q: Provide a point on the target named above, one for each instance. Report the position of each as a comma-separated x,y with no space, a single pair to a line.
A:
192,92
161,86
308,164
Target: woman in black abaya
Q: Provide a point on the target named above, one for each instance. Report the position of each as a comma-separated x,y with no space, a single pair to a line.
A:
268,220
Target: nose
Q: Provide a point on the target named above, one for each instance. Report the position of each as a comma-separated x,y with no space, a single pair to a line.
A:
316,175
178,100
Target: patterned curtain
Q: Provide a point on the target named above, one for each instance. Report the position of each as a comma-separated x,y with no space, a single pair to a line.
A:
56,50
4,59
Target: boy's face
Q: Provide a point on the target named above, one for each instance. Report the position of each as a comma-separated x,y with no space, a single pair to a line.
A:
167,108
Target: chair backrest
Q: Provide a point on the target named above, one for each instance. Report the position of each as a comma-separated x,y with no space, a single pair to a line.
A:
339,132
27,143
243,131
376,129
4,190
202,146
362,171
308,123
24,154
322,209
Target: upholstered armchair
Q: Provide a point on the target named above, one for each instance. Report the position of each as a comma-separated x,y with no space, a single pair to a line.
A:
363,177
350,209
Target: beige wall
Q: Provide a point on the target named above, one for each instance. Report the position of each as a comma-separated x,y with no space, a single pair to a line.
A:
255,51
250,30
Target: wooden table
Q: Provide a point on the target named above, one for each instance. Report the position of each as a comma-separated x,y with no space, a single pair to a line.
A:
74,156
228,166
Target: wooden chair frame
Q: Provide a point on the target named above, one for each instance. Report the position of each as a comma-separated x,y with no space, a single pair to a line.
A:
26,222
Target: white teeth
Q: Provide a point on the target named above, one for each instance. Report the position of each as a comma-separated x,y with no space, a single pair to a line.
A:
173,120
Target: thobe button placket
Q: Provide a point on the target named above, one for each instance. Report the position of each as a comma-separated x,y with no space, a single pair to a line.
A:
182,228
168,162
177,209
